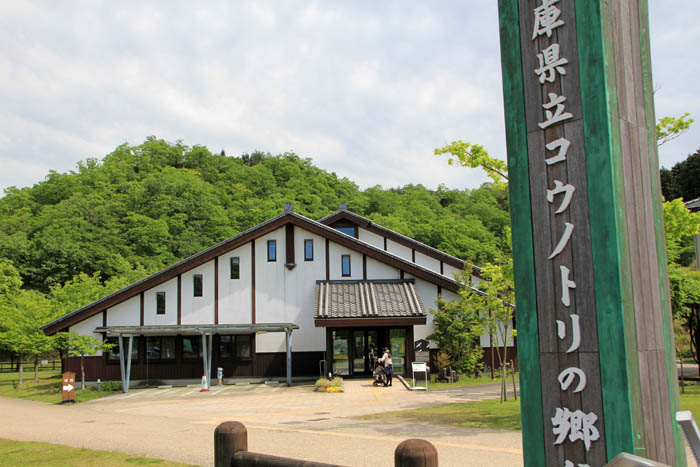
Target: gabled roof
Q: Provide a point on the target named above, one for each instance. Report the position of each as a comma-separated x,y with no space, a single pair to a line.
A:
234,242
343,214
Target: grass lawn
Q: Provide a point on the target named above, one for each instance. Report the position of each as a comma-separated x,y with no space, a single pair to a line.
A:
48,389
463,381
493,414
27,453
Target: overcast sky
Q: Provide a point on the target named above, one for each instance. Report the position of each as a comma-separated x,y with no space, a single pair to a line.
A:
365,89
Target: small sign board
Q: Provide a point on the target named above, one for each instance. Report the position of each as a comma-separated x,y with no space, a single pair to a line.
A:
420,367
68,386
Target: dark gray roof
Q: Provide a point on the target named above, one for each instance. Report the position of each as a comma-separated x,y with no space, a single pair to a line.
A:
693,204
368,299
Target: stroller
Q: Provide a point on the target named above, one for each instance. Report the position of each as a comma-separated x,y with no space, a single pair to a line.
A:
379,374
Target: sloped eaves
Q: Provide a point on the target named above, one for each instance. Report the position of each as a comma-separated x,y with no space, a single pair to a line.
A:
232,243
401,239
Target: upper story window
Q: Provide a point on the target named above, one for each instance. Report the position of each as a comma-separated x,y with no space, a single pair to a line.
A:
235,267
160,303
197,285
308,250
350,230
272,250
345,265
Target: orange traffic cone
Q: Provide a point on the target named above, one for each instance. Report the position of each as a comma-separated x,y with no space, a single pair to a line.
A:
205,387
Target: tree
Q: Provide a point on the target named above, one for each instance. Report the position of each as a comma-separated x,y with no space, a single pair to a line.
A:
458,326
21,315
670,128
474,155
77,345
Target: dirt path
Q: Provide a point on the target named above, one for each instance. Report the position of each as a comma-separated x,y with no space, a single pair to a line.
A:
178,424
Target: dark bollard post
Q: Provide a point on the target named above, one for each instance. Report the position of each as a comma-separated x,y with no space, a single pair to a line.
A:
229,438
415,453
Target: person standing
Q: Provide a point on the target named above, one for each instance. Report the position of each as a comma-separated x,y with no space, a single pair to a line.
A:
388,366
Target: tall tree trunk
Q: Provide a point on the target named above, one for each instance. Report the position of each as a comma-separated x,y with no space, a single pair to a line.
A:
36,369
19,367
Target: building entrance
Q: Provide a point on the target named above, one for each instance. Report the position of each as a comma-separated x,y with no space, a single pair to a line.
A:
354,351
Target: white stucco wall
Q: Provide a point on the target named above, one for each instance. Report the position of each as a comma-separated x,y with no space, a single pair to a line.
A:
371,238
198,310
427,262
87,326
149,304
284,296
235,294
449,271
399,250
428,293
126,313
336,251
379,270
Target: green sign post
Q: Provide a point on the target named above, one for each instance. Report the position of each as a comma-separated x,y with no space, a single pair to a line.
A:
595,334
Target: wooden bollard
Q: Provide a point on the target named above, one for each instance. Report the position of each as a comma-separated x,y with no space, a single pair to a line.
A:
229,438
415,453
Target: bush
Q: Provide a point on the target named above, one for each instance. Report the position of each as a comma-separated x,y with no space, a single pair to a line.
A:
325,385
111,386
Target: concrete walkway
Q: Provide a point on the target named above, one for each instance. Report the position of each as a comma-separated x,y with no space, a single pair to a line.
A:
178,424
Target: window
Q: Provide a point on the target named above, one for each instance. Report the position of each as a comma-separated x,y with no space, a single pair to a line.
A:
197,283
235,267
113,355
192,347
345,265
226,347
272,250
350,230
243,347
237,347
308,250
160,303
160,348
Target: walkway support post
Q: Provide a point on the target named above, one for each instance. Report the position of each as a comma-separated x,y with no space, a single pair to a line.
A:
125,361
206,356
288,333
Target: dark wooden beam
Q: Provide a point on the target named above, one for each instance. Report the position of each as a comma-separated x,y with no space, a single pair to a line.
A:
179,299
289,245
141,311
216,290
337,323
252,281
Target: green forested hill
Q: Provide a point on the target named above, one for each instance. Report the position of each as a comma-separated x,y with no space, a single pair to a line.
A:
144,207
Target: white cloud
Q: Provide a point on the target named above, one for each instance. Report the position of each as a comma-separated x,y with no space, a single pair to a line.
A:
366,89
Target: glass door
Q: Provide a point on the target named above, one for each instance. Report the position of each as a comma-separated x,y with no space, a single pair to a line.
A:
397,340
358,361
341,355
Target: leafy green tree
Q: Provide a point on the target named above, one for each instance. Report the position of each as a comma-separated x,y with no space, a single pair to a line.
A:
458,326
670,128
77,345
21,315
473,156
681,225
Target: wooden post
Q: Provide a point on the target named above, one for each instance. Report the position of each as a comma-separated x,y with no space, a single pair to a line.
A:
415,453
595,334
229,438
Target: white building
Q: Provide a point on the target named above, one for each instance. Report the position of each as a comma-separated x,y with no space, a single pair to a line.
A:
290,296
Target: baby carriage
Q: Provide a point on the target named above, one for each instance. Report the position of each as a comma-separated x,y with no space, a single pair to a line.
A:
379,374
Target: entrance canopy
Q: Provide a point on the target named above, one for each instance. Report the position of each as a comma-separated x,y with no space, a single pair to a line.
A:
207,331
368,303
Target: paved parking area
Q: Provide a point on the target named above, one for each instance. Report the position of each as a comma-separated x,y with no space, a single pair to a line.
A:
178,424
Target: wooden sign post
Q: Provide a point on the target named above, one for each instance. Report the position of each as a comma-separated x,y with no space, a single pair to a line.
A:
595,334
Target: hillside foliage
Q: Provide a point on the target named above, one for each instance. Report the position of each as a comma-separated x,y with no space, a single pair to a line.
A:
141,208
